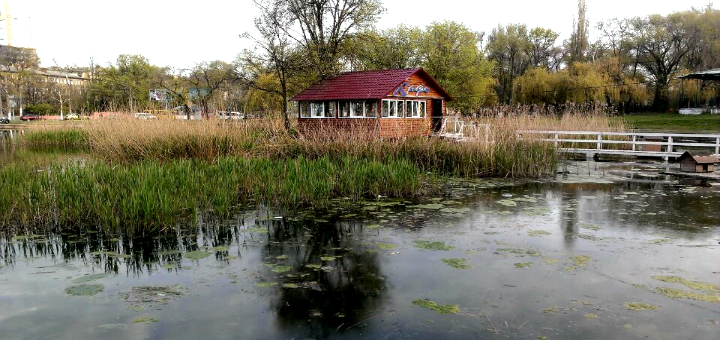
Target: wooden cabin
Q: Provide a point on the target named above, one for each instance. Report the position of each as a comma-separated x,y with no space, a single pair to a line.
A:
696,163
391,103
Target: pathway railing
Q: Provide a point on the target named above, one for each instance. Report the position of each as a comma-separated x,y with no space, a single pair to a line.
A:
458,129
630,143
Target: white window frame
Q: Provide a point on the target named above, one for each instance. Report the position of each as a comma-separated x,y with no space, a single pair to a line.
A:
372,104
331,113
393,105
304,109
313,105
415,111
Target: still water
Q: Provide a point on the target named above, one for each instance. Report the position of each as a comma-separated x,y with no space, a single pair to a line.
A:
601,252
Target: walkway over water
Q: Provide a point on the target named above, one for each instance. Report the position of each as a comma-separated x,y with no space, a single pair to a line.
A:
645,144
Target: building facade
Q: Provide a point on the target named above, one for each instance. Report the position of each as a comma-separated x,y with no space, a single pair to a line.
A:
392,103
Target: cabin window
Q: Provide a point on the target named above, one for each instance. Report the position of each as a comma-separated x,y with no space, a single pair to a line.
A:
356,109
304,110
389,108
317,109
344,109
370,109
417,109
331,109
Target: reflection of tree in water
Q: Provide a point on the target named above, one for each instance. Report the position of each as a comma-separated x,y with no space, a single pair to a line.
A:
135,254
342,293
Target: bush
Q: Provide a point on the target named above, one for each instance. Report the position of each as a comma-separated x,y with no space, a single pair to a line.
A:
39,109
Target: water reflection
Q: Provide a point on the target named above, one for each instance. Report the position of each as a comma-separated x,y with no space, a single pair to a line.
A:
324,274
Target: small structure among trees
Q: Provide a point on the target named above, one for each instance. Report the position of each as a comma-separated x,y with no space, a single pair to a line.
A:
394,103
690,162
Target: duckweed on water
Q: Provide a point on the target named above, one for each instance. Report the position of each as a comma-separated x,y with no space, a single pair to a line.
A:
695,285
590,316
639,306
436,245
457,263
84,289
431,305
145,319
197,255
290,286
507,203
281,269
517,252
88,278
327,258
221,249
386,246
535,233
681,294
581,260
313,266
266,284
551,310
255,230
523,265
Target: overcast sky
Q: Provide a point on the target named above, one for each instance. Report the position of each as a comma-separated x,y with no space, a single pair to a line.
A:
180,32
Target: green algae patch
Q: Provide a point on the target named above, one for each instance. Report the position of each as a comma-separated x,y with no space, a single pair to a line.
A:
694,285
435,245
281,269
536,233
374,226
84,289
266,284
440,309
681,294
386,246
254,230
169,252
590,316
431,206
551,261
637,306
581,260
169,266
327,258
88,278
222,249
290,286
551,310
197,255
313,266
457,263
517,252
523,265
145,319
507,203
660,241
590,227
455,210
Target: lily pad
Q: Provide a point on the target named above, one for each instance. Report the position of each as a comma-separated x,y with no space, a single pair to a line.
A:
681,294
695,285
88,278
313,266
441,309
327,258
290,286
281,269
507,203
84,289
639,306
145,319
196,255
435,245
386,246
457,263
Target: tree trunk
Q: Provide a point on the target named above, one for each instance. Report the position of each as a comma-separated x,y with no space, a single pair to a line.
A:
285,112
661,101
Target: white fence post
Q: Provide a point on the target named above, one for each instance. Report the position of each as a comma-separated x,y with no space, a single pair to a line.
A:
599,144
557,136
717,146
634,140
670,144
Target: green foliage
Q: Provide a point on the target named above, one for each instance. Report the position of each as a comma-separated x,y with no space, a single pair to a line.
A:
42,109
66,139
453,58
124,85
673,122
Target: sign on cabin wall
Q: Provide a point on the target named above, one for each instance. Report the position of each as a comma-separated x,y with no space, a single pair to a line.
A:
417,89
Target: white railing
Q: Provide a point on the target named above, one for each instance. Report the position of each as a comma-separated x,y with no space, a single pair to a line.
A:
455,128
636,142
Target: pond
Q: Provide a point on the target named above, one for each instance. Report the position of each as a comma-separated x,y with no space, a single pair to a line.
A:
602,251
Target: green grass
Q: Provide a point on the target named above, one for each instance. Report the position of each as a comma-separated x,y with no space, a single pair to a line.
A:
63,139
150,195
673,122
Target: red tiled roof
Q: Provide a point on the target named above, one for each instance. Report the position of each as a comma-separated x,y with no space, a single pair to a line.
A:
362,85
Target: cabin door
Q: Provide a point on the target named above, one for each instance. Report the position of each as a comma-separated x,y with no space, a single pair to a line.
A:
437,115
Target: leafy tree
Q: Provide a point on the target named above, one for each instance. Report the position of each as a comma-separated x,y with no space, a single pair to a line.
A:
452,56
124,85
394,48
